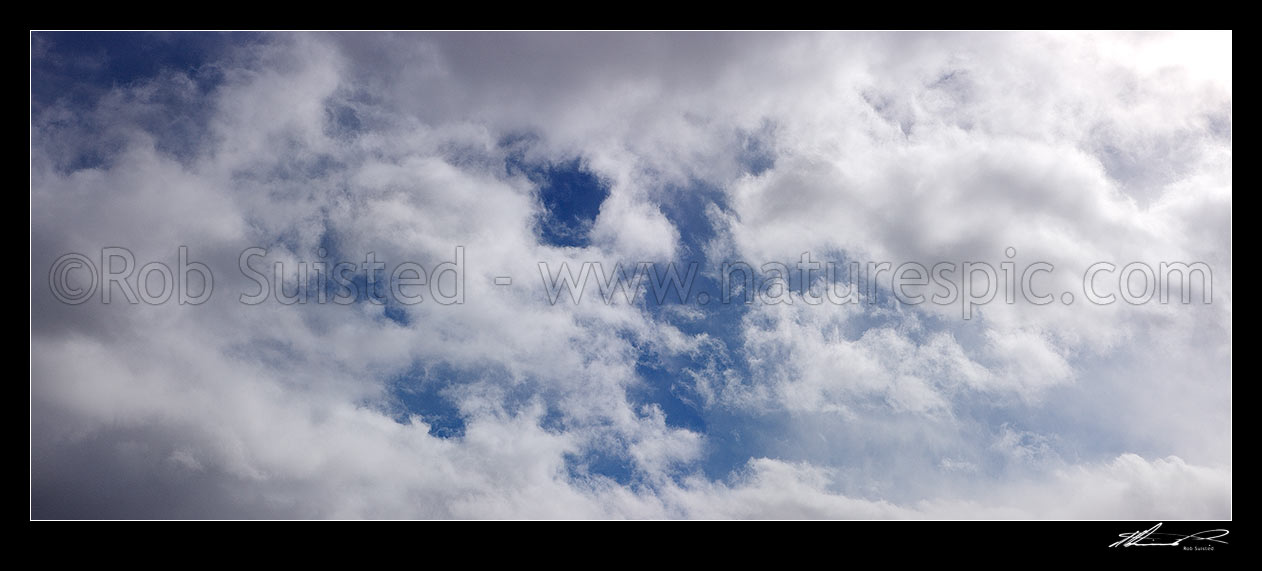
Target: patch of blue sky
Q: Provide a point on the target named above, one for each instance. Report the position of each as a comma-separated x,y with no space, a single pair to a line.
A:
756,153
1084,415
670,379
420,392
75,64
570,194
78,69
342,120
601,463
319,263
571,197
111,58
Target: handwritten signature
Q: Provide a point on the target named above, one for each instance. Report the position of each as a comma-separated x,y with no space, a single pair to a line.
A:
1151,538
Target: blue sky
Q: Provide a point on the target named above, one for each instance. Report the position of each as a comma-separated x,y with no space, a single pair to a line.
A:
638,150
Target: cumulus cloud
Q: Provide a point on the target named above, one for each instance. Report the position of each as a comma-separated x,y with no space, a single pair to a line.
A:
1070,148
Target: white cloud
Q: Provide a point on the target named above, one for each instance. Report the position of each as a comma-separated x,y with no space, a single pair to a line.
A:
1071,148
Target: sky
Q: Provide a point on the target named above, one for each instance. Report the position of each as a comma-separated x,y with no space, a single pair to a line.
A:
232,172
